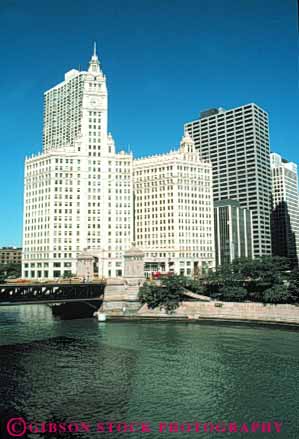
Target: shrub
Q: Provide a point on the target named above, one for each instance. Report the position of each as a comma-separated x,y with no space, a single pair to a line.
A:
194,285
294,286
232,293
167,295
277,294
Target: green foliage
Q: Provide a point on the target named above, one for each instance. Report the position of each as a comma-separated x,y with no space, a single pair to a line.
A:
167,294
68,275
7,270
260,267
194,285
265,279
277,294
263,271
293,287
232,293
255,276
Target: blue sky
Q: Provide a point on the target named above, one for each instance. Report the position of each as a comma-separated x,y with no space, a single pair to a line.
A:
165,61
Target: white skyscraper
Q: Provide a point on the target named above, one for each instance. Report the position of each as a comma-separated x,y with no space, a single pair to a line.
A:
78,193
285,213
174,218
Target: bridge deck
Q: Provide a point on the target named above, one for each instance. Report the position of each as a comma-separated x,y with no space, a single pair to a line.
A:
16,294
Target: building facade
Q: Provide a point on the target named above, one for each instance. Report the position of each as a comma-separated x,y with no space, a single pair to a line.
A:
233,232
236,142
78,193
174,211
10,255
285,213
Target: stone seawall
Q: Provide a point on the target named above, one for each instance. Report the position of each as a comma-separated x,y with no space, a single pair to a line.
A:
229,311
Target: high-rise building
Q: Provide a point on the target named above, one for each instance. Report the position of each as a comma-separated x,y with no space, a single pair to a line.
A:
233,231
174,223
285,213
236,142
78,193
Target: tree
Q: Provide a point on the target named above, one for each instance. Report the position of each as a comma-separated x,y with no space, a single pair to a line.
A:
195,285
293,287
233,293
255,276
277,294
263,279
167,294
263,271
224,277
7,270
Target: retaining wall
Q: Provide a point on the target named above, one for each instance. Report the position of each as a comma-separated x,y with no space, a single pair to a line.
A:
229,311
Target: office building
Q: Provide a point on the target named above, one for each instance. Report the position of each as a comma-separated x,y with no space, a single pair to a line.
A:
174,211
236,142
285,213
10,255
233,232
78,193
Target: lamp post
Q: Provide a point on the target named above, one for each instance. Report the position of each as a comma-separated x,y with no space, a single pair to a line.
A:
102,262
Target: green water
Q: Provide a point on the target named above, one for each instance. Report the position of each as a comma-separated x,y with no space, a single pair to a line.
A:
82,370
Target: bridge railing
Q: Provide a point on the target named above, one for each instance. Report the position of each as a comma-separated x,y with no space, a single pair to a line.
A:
45,292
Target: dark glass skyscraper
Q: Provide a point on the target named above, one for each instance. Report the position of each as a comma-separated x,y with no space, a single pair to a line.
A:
233,231
285,213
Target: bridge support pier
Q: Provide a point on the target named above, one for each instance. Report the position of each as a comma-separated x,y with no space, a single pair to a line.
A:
120,298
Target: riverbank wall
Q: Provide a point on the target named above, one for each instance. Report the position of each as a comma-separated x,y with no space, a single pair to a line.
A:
121,301
230,311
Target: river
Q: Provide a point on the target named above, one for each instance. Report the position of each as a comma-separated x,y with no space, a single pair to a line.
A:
154,372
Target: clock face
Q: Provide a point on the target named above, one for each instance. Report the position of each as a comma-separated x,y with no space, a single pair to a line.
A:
93,102
96,101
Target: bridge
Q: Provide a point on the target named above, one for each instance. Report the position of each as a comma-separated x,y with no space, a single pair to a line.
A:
20,294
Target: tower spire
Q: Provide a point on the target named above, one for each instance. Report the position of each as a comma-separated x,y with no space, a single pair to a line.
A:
94,65
187,143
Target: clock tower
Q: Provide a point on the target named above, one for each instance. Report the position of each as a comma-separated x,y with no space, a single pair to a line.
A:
95,109
85,187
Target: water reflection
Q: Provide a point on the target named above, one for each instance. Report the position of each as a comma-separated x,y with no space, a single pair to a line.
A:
85,371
